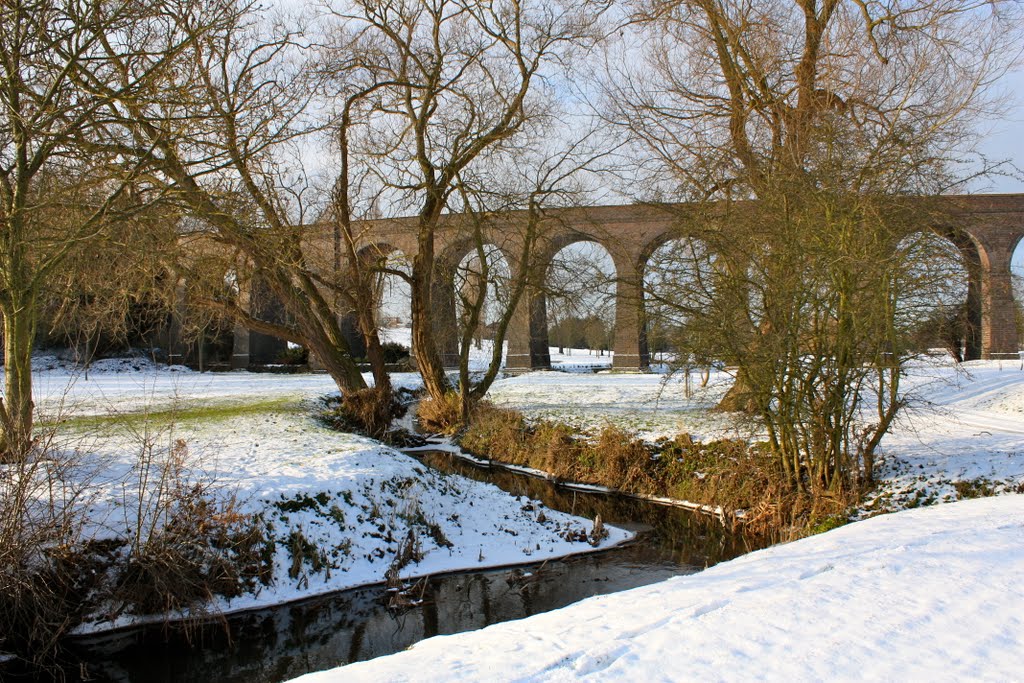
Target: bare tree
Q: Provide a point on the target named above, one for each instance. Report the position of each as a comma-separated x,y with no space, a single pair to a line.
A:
826,115
224,140
62,186
447,83
537,179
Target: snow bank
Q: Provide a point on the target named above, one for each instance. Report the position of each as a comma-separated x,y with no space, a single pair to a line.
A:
349,496
929,594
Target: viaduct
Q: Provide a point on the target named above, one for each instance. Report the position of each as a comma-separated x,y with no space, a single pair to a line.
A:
986,229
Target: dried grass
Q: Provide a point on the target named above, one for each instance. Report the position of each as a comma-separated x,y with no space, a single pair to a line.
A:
729,473
440,416
182,543
368,411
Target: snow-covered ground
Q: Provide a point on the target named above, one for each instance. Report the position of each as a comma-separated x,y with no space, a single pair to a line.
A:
565,359
952,572
253,437
965,429
966,423
929,594
652,405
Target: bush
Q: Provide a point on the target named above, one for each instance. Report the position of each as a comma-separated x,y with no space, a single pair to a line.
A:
293,355
394,352
442,416
495,428
729,473
42,580
208,547
182,544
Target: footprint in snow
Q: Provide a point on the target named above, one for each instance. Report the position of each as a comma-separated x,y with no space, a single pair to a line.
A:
814,572
708,608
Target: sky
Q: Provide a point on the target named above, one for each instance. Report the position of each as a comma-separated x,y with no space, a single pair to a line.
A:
1003,139
1006,139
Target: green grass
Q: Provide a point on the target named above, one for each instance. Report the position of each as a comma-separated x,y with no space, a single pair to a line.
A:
186,413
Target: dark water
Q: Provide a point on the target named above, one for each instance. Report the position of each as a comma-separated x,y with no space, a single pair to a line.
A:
320,633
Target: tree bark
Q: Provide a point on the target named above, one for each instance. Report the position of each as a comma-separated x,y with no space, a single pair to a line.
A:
19,318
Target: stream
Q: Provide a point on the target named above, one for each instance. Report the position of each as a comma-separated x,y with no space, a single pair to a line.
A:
282,642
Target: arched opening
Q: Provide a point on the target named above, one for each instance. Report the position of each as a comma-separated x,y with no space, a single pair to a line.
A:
265,349
1017,288
393,299
678,284
580,291
937,300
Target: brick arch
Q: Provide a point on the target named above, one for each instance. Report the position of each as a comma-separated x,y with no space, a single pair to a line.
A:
443,292
371,254
967,306
644,265
1015,242
994,224
529,337
998,320
377,255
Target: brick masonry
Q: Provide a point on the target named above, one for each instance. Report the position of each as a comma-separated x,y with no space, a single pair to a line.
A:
993,225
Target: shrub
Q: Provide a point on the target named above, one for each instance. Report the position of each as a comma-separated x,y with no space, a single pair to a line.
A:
394,352
495,428
368,411
182,544
293,355
42,578
208,547
623,461
442,416
729,473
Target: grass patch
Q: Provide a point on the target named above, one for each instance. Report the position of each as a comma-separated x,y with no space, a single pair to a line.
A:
974,488
176,415
442,416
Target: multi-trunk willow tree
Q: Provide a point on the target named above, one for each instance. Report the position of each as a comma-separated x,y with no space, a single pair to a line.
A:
819,116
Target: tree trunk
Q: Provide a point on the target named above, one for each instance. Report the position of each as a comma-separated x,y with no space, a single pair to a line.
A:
375,354
423,343
16,407
739,398
330,347
318,326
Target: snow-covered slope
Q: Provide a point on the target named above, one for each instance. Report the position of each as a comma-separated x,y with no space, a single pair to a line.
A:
929,594
251,438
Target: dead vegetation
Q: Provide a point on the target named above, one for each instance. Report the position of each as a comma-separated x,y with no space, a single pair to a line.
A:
181,542
367,411
40,547
727,473
441,415
209,547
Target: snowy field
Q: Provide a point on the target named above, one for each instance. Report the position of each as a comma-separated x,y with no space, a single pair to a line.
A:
921,595
926,594
966,424
252,437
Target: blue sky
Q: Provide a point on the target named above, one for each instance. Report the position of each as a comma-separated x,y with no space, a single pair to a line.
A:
1006,139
